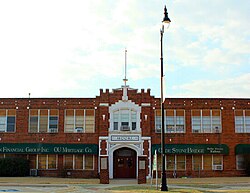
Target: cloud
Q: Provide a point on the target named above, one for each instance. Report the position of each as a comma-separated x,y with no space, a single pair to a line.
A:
231,87
60,46
213,34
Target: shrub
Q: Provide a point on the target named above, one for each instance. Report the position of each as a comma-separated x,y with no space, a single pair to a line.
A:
247,158
10,167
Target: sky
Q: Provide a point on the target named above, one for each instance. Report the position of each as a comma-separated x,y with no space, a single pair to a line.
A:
73,48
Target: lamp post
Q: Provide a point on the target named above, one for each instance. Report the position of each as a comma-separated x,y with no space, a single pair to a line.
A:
164,186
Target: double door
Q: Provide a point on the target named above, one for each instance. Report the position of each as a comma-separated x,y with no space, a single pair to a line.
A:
124,164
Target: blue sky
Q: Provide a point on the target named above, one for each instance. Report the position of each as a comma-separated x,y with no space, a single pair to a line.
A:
59,48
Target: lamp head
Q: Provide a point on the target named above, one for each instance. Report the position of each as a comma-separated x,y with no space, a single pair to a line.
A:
166,19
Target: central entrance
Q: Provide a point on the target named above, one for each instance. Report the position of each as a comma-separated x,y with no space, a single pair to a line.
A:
124,163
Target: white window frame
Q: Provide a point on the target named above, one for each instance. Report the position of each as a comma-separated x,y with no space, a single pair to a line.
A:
83,166
38,120
212,128
84,121
130,111
212,164
6,122
245,128
47,162
158,130
175,163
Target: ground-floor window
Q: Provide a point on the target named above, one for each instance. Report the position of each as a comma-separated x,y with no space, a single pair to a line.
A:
79,162
173,162
50,161
242,160
43,161
207,162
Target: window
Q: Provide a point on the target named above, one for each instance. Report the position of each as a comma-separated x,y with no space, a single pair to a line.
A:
170,121
68,161
207,162
79,162
242,121
174,121
170,160
43,124
180,121
133,120
217,162
206,121
43,121
196,122
158,121
181,162
52,161
79,121
89,121
43,161
240,162
53,121
7,120
125,120
173,162
197,162
116,120
89,165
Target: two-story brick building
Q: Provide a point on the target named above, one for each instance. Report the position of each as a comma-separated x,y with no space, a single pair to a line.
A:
69,136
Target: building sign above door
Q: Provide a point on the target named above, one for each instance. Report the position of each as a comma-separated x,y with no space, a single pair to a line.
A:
125,138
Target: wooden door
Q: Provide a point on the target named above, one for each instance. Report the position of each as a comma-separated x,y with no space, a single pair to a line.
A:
125,163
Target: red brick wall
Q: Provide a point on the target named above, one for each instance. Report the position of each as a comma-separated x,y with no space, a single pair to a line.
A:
228,135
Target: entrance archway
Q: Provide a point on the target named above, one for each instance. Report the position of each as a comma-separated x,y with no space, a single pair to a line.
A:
124,163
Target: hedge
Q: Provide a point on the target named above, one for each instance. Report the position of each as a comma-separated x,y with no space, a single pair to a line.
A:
13,167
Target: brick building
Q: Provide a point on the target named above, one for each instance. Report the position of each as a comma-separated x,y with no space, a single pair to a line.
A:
113,132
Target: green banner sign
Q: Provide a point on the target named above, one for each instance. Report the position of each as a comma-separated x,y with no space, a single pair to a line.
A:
192,148
42,148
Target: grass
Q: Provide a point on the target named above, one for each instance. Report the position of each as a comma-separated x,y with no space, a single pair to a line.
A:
148,189
145,189
214,186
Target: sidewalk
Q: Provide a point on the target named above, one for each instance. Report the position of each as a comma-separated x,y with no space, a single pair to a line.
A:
54,181
62,185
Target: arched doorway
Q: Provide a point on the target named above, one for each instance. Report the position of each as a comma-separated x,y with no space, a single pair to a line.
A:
124,163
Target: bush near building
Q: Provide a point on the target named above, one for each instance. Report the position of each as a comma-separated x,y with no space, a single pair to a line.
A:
13,167
247,158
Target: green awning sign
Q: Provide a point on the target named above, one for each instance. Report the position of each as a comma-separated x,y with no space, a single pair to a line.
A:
42,148
192,148
242,149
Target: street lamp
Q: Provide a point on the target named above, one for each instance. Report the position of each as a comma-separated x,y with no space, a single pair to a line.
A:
164,186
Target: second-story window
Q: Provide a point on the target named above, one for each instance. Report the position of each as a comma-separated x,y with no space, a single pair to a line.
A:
7,120
79,121
174,121
43,121
242,121
206,121
125,120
